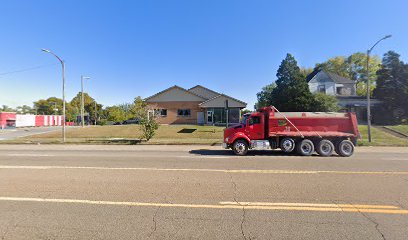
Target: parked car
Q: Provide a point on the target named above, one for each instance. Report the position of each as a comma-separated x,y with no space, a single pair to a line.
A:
131,121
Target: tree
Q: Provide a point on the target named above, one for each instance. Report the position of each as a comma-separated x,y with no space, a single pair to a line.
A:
245,111
325,103
392,88
292,92
306,71
25,109
265,95
89,106
5,108
147,118
337,65
53,106
353,67
115,114
49,106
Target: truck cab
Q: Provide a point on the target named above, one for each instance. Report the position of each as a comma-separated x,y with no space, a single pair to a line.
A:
251,129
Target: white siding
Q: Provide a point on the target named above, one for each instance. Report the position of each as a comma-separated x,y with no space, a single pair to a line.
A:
25,120
322,79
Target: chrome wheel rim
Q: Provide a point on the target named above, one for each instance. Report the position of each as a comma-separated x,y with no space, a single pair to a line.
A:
306,148
287,145
347,149
240,148
326,148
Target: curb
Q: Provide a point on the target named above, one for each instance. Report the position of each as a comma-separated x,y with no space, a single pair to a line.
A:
395,131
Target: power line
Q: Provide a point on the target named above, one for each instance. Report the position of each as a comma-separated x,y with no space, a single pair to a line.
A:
26,69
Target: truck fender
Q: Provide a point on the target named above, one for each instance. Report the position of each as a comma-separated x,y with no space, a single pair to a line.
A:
236,136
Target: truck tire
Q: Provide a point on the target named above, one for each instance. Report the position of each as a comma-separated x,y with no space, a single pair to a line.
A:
305,147
240,147
345,148
325,148
287,145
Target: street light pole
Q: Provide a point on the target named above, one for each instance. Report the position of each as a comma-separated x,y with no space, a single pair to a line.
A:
368,87
63,91
95,113
82,101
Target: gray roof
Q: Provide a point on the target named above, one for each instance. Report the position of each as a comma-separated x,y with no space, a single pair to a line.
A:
168,89
208,92
338,79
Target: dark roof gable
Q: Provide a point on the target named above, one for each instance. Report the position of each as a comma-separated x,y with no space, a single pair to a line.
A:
334,77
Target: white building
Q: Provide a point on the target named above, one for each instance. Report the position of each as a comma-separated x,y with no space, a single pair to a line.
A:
332,84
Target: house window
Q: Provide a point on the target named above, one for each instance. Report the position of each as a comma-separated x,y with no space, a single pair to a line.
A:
339,90
163,112
160,112
322,89
184,112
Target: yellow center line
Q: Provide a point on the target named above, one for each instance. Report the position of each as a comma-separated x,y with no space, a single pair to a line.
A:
332,205
210,206
270,171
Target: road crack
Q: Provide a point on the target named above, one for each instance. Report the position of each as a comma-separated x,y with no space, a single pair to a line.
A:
376,225
234,185
154,228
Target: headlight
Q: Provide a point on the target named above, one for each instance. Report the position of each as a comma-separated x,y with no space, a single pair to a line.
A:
226,139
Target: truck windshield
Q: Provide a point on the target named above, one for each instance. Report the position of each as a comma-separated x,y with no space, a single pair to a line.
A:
244,118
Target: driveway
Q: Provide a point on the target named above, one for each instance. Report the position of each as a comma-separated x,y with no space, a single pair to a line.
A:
11,134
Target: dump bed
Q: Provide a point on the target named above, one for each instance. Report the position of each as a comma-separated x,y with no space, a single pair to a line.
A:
306,124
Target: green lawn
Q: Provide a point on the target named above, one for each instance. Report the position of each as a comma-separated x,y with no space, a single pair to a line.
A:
379,138
175,134
400,128
166,134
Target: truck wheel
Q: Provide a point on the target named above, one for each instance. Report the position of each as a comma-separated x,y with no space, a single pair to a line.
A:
345,148
240,147
287,145
305,147
325,148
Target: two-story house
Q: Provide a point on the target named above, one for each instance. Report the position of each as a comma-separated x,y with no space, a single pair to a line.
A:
331,84
344,89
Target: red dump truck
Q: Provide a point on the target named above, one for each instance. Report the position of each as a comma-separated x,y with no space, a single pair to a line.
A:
305,132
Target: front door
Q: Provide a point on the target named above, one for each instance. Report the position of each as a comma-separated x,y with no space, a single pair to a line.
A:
210,116
200,117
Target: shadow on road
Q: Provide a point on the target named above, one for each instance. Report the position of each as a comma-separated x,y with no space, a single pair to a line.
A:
208,152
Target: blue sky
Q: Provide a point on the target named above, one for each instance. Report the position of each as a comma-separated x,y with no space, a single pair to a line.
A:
132,48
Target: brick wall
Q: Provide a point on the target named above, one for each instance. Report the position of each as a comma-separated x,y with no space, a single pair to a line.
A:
172,108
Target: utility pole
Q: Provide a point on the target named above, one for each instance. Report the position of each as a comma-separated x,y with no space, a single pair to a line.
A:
227,111
82,101
368,87
95,112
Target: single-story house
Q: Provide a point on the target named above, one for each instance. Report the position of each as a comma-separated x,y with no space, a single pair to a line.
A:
197,105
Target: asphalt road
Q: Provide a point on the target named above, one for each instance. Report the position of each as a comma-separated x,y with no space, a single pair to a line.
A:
10,134
193,192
